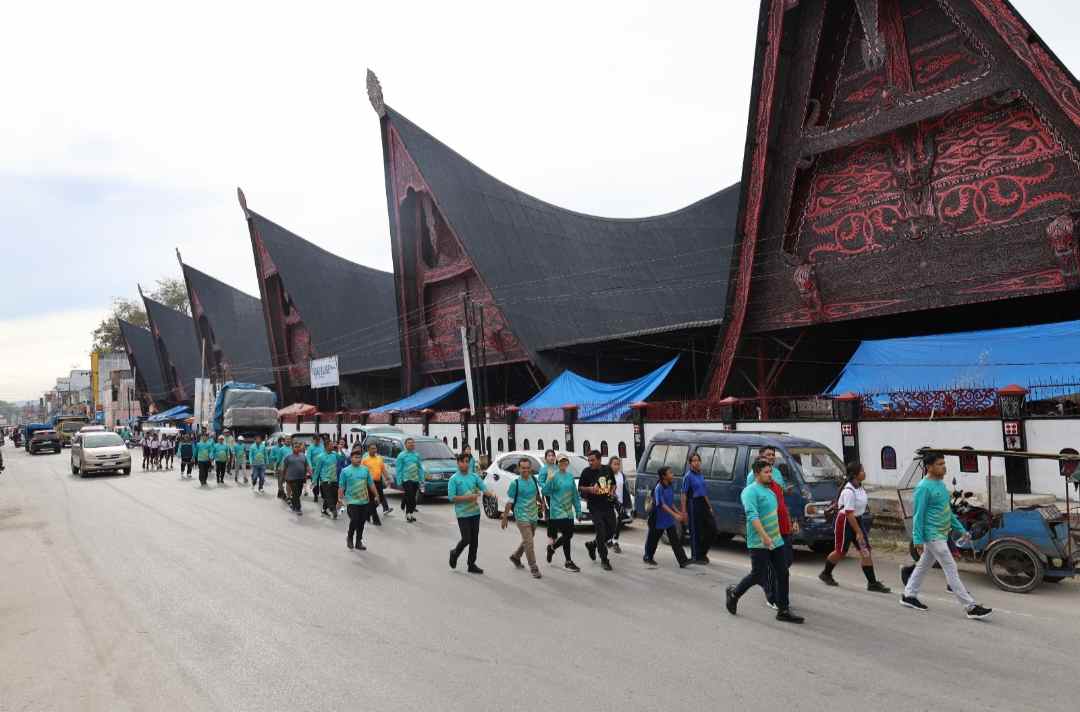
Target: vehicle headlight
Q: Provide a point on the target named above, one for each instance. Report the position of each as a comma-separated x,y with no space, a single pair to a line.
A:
815,509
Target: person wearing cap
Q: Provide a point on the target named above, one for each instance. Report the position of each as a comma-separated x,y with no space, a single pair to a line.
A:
239,453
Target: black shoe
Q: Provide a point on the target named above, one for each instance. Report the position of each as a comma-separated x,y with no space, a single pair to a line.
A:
786,616
605,565
361,547
978,612
571,566
913,602
827,579
349,544
550,553
878,587
516,562
730,600
325,513
616,548
453,559
650,562
474,569
590,546
335,515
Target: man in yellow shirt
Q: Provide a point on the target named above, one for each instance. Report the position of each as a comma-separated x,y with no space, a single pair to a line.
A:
374,463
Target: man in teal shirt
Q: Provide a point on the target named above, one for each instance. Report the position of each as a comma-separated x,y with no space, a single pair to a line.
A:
314,452
409,473
766,545
324,478
239,452
931,523
221,458
357,488
204,452
259,457
465,490
768,454
564,506
523,498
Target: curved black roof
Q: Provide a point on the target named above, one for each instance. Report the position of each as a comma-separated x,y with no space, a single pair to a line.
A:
238,325
177,333
348,309
142,357
561,277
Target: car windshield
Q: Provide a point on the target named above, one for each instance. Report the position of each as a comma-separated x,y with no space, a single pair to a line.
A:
433,450
818,464
90,440
71,426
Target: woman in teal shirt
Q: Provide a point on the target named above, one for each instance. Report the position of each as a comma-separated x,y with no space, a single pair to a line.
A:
564,506
221,458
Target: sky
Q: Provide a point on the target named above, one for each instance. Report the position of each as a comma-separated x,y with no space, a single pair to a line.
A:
127,127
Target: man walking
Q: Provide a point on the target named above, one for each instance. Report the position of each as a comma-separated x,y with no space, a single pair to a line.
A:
281,452
597,484
409,471
221,459
358,491
296,472
204,453
325,478
258,456
239,452
931,523
766,546
523,498
465,490
313,454
375,465
187,457
778,487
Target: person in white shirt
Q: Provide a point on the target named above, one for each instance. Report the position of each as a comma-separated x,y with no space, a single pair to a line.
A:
850,526
621,493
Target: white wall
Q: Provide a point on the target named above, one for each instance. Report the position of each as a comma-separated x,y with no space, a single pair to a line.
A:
907,436
1050,435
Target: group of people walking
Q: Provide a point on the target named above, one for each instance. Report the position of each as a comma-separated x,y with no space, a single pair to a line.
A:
158,450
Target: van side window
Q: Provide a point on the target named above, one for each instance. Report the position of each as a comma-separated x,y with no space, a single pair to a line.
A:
383,448
657,455
395,450
718,463
676,458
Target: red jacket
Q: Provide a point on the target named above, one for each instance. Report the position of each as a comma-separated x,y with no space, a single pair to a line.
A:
781,510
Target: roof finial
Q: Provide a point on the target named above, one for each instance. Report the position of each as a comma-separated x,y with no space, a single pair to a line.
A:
179,258
374,94
243,200
139,286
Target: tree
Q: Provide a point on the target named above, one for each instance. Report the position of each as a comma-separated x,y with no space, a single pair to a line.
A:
169,291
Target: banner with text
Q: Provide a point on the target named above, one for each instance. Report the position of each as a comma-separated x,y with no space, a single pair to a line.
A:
324,372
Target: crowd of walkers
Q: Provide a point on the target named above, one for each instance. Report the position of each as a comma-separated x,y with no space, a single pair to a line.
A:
352,481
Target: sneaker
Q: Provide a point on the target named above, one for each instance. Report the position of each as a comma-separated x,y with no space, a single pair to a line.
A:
786,616
616,548
298,513
912,602
605,565
905,573
701,561
335,516
550,553
360,546
516,562
772,605
349,544
536,573
730,601
571,566
474,569
453,559
977,612
827,579
388,510
325,513
650,562
878,587
590,546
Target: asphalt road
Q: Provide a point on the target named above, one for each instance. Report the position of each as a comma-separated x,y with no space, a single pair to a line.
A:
146,592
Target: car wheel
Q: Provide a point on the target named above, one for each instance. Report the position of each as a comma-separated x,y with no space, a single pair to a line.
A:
126,471
491,507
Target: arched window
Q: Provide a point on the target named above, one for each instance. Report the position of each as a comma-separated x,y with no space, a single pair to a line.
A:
500,445
555,445
525,444
539,444
888,458
455,443
969,463
622,450
476,444
603,448
446,441
585,447
488,441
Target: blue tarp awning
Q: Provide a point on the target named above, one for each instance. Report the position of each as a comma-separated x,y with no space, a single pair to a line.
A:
423,398
994,358
180,412
598,401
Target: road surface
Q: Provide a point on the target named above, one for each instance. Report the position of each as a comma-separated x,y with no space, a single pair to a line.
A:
146,592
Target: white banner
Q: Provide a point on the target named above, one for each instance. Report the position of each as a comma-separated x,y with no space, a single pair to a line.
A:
324,372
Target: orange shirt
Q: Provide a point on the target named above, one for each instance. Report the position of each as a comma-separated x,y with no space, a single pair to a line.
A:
374,465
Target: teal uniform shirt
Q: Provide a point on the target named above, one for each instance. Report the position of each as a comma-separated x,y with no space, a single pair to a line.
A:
356,481
239,453
257,454
472,465
524,494
564,499
933,517
759,503
313,454
461,485
776,477
325,469
408,467
546,471
221,452
204,451
280,453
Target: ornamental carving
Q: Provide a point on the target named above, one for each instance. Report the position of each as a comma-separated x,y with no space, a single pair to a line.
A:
374,93
805,277
1062,235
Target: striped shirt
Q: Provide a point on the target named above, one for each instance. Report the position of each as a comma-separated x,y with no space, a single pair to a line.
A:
759,503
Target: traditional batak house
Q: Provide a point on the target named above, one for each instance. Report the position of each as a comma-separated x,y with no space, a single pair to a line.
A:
176,345
150,387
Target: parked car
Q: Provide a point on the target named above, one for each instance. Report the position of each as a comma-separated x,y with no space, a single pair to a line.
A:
812,472
439,460
99,452
45,439
503,471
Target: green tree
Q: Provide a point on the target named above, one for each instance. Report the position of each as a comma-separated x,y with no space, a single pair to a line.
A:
169,291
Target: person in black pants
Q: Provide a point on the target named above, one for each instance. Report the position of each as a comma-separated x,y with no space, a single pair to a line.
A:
662,521
597,484
296,470
465,490
187,457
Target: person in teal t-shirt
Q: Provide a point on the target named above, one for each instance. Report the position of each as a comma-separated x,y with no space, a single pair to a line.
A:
409,474
357,488
564,506
548,469
204,453
239,453
465,490
768,454
768,565
324,478
221,458
259,457
523,498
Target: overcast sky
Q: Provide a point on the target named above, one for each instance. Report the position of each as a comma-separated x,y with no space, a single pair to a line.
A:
126,128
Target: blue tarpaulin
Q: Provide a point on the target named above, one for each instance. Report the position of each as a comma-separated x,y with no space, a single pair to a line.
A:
598,401
1023,355
180,412
423,398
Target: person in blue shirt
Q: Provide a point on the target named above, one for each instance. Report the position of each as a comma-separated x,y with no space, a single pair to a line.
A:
221,458
314,452
696,504
465,490
409,473
358,490
662,520
325,478
524,500
259,457
564,507
204,453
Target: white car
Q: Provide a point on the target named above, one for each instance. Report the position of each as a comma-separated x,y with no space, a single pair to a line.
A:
503,471
99,452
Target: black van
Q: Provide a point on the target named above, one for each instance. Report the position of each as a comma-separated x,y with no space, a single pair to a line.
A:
813,475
